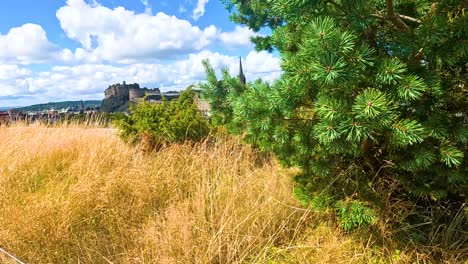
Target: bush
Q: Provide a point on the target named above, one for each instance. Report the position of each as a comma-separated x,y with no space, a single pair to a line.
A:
155,124
353,214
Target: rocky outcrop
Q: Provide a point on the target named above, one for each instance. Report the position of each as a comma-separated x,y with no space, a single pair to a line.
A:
117,97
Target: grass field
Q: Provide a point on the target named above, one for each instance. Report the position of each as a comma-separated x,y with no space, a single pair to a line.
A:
80,195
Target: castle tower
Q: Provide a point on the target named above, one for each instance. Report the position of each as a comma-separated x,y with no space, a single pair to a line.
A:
241,73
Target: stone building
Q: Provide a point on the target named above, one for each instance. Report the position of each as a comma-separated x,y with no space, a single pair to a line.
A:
117,97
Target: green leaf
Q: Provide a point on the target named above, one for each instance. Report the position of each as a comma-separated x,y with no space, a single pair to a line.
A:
450,155
373,104
407,132
328,69
461,134
355,130
329,108
326,132
391,71
411,88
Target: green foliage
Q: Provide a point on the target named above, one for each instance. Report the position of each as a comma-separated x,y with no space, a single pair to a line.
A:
353,214
373,95
321,202
302,196
221,95
175,121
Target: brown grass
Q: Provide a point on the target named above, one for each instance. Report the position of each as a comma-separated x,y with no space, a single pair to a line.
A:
80,195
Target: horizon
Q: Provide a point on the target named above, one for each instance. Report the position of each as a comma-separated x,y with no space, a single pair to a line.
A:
72,50
4,108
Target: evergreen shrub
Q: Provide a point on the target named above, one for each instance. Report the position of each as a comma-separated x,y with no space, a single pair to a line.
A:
155,124
371,105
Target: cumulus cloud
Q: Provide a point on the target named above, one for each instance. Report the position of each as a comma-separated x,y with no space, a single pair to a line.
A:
120,34
25,45
9,71
255,65
115,36
239,38
13,81
262,62
199,11
88,81
116,45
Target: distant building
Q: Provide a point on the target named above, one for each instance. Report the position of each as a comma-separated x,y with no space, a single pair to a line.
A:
203,106
117,97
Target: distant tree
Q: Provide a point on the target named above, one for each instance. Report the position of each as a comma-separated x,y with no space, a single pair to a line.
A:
372,104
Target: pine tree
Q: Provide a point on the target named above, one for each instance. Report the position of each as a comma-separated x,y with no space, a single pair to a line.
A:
372,104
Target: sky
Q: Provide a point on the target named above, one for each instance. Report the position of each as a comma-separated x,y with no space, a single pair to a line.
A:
57,50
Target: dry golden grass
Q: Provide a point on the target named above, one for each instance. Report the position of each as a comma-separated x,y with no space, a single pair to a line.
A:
74,194
80,195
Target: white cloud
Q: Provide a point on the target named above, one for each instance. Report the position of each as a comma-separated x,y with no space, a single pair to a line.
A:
12,80
262,63
255,65
120,34
88,81
199,11
238,38
8,71
114,36
25,45
116,45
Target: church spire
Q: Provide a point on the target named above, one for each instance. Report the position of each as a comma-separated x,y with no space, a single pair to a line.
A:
241,73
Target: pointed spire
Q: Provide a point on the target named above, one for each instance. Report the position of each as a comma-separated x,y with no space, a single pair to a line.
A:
241,73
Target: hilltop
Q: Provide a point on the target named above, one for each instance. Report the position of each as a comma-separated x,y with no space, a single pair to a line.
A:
61,105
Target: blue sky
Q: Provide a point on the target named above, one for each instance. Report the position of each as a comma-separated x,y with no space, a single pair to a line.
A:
56,50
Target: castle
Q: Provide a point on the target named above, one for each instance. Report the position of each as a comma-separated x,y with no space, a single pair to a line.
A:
117,97
132,92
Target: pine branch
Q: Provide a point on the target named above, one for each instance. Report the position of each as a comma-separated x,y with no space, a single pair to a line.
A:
395,18
276,118
391,15
412,19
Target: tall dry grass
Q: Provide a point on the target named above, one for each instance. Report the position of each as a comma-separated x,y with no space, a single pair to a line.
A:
76,194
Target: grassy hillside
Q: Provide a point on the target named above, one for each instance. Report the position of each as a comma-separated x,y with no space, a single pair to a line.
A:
61,105
80,195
